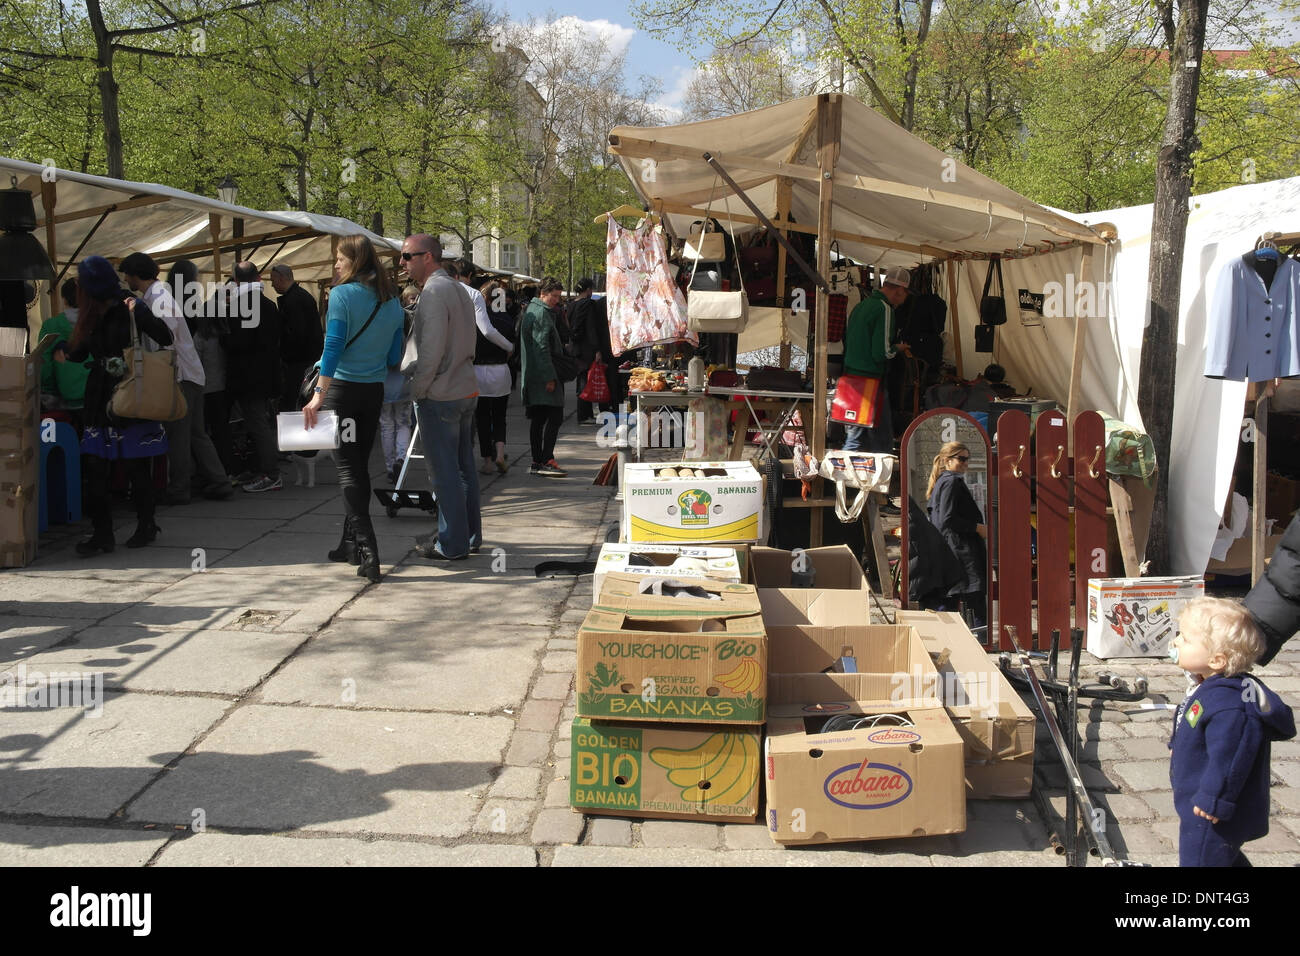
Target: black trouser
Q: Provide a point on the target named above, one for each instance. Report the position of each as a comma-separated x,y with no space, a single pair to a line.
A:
585,412
543,429
357,405
97,474
259,422
291,373
216,416
490,417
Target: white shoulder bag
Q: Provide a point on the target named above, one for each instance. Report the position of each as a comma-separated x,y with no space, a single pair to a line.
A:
718,311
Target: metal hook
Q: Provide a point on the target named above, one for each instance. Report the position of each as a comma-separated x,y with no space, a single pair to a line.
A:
1092,465
1016,470
1060,450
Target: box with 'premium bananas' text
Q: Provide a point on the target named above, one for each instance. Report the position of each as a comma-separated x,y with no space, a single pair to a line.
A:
681,651
666,770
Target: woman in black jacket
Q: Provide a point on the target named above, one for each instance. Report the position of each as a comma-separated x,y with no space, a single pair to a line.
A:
954,512
103,331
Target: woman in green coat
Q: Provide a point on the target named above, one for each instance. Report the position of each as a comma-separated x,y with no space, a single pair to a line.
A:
543,392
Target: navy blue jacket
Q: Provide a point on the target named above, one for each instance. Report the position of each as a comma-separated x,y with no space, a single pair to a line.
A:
954,512
1221,743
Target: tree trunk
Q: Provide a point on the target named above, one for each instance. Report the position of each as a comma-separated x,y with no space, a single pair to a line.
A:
914,66
1168,232
107,90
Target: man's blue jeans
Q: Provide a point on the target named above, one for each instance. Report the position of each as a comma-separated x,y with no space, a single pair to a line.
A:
447,435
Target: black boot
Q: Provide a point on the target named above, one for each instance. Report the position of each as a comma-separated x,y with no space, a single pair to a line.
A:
347,549
368,555
100,541
145,533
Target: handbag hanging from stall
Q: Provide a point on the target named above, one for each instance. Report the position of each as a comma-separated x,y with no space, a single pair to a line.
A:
865,471
151,389
993,308
984,335
718,311
705,243
857,397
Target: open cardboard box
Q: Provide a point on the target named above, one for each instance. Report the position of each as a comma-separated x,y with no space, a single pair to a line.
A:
697,658
670,560
871,783
996,725
833,567
679,771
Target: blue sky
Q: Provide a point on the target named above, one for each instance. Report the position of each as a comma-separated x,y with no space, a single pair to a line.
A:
645,54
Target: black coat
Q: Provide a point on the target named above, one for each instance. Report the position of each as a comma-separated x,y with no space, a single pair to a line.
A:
112,336
1274,601
253,351
584,328
954,512
933,571
301,337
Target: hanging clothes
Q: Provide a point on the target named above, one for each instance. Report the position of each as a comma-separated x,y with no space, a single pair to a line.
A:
1253,324
646,307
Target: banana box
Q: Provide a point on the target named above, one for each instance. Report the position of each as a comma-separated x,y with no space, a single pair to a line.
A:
693,502
680,771
866,755
656,649
995,724
669,560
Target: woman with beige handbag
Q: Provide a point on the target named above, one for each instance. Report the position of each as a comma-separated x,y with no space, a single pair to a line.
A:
109,323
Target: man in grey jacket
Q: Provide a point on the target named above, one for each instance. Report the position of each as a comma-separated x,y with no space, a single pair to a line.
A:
445,392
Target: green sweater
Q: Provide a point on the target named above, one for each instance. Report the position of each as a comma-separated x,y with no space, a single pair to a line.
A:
868,336
65,379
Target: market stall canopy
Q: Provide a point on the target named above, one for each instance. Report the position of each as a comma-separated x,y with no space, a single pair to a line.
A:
896,199
95,215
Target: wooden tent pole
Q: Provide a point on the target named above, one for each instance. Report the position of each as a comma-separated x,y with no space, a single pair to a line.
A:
49,197
829,119
1080,342
953,265
1259,510
784,186
214,231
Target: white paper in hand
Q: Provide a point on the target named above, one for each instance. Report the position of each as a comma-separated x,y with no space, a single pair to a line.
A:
294,435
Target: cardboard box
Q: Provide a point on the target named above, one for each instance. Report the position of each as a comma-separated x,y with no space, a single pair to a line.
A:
1137,617
20,411
871,783
693,659
995,723
725,505
680,771
670,561
831,577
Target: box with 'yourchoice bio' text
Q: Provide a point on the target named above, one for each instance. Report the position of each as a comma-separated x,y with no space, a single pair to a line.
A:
692,651
693,502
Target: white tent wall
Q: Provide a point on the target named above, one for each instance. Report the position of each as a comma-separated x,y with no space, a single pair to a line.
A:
1207,414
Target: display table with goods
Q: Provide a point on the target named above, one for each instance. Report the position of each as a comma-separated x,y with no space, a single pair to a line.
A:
783,406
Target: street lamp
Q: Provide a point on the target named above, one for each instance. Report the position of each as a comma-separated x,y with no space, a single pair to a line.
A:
228,191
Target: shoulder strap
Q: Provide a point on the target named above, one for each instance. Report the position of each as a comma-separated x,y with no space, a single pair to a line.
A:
373,313
988,279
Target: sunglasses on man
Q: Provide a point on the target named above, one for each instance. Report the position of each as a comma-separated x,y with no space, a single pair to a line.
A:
408,256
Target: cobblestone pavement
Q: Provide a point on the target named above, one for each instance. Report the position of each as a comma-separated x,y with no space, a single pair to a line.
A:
264,706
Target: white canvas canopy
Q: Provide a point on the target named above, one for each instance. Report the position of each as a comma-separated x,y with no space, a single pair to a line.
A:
95,215
897,199
1207,413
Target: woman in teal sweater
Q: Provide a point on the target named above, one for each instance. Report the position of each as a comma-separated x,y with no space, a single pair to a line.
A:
363,338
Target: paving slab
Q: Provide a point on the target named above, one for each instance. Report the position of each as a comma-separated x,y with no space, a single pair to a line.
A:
366,663
169,559
76,846
35,595
505,816
215,599
21,637
270,767
173,660
284,553
404,598
225,849
671,833
65,762
516,783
